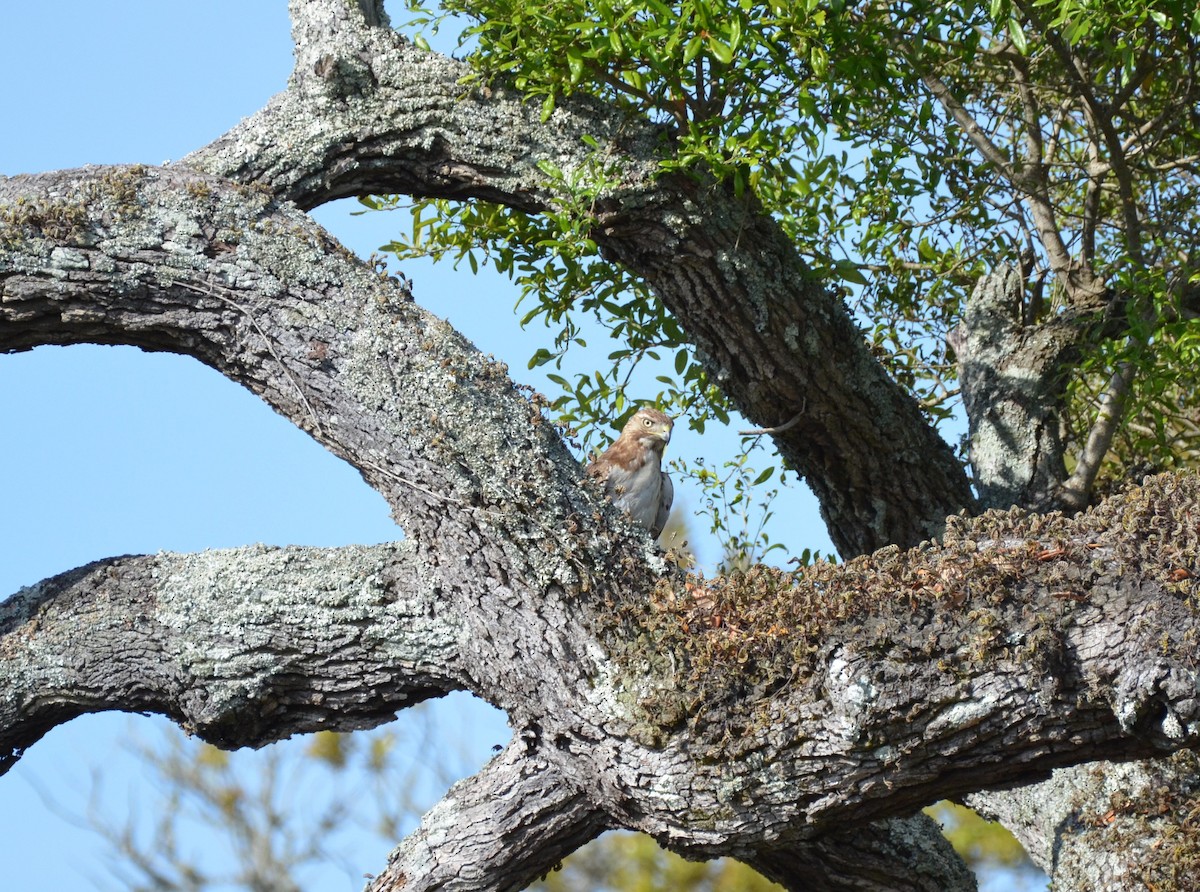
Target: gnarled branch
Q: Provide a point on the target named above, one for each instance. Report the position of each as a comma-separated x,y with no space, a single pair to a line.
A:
499,830
242,647
368,112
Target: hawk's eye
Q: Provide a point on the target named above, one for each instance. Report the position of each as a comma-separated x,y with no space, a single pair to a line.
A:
648,422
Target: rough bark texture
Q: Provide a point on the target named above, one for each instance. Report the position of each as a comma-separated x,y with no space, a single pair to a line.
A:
501,829
368,112
1013,391
1133,825
1013,376
791,720
240,647
865,860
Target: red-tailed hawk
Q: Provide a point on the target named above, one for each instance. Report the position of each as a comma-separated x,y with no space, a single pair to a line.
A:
631,469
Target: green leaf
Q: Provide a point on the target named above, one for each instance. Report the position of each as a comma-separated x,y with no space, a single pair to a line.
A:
735,33
849,271
575,65
819,60
1017,34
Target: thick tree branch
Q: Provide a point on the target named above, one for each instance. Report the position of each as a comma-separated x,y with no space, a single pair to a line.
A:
1131,825
696,715
500,830
368,112
851,694
173,260
242,647
1033,642
847,695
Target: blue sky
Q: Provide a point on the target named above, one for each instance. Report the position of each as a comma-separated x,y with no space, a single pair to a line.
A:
114,451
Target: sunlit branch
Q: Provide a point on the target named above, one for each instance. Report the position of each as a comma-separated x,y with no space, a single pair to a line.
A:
1078,487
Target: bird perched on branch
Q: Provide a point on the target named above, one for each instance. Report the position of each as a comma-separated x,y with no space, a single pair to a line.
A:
631,469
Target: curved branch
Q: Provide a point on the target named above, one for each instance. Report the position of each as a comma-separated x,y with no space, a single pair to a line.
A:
242,647
514,821
167,259
174,260
368,112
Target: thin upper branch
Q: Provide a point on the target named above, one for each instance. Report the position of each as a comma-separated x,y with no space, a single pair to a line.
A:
1100,117
1078,487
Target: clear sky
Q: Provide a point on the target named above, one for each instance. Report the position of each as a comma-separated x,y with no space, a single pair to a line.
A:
114,451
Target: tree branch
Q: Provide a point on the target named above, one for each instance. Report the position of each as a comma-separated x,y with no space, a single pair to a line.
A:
814,706
1077,488
1100,118
242,647
173,260
1104,825
514,821
1080,284
894,855
366,112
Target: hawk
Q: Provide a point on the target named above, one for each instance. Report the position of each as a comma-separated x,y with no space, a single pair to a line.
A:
631,470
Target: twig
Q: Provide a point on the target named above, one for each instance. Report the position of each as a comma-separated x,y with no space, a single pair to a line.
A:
787,425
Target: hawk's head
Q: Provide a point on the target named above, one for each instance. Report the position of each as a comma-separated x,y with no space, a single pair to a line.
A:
649,428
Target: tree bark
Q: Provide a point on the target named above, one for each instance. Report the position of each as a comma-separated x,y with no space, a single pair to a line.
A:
748,717
241,647
1131,825
510,824
1014,391
367,112
787,720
